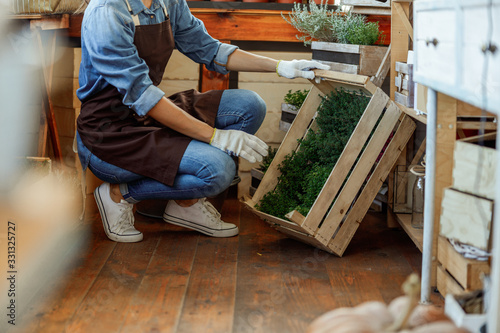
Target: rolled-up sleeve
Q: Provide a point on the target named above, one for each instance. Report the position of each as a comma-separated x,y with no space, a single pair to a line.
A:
220,61
193,40
111,50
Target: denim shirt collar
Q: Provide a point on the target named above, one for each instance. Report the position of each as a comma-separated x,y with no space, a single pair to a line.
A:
137,6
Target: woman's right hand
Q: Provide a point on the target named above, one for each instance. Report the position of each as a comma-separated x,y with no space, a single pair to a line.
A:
239,143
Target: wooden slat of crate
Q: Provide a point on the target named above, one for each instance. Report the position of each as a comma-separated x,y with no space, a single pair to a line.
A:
369,60
303,238
346,161
446,284
474,169
339,243
351,82
466,271
402,99
289,144
382,71
466,218
276,221
359,173
349,58
337,66
372,3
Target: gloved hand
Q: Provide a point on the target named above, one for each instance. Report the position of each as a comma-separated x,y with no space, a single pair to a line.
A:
239,143
298,68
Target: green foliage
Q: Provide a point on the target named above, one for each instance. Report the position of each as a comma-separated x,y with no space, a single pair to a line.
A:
266,161
304,172
327,25
354,29
296,98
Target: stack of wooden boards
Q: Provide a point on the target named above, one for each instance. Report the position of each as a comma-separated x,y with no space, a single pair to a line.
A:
358,174
466,216
404,93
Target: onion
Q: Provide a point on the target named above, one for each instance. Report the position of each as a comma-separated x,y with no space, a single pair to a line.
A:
368,317
329,321
376,313
439,327
424,314
398,305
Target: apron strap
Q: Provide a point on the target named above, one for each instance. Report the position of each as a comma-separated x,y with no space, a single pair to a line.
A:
135,17
164,9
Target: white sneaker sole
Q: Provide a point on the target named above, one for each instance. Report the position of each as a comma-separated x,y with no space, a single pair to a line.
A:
133,238
201,228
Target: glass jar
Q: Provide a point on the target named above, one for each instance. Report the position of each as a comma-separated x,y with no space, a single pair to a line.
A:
417,215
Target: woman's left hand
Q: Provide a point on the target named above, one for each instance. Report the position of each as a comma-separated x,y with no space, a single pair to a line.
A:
298,68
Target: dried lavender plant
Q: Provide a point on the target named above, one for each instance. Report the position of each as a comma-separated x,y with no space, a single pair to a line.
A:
327,25
314,24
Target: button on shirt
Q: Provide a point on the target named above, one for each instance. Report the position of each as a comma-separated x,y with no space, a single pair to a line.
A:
109,56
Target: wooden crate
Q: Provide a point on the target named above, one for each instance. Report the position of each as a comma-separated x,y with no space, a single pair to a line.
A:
404,93
257,176
466,218
349,58
331,225
446,284
474,169
467,272
288,114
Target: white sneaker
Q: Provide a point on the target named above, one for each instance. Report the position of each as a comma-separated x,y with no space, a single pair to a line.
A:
201,216
117,218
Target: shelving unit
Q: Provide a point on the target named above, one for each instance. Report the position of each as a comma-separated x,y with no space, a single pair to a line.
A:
449,117
416,235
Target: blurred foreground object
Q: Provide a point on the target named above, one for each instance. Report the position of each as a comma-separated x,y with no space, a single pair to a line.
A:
47,6
40,237
40,232
403,314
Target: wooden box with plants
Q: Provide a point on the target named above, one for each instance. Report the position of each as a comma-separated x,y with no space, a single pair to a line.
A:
258,173
344,41
330,167
289,109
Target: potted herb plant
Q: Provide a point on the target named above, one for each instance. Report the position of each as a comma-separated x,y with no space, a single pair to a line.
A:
344,41
292,103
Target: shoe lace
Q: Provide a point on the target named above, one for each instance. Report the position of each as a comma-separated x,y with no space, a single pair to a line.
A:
126,218
211,209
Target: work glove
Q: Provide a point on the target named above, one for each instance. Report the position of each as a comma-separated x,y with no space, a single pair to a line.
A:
298,68
239,143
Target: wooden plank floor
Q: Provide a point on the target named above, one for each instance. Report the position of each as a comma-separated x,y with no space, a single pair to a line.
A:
177,280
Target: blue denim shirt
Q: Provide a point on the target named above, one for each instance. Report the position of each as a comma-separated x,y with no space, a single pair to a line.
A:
109,56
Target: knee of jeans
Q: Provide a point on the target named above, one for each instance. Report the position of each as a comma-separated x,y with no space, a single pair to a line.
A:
222,174
258,106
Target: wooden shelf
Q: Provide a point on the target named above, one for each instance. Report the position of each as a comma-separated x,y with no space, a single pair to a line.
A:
412,113
44,22
416,235
242,21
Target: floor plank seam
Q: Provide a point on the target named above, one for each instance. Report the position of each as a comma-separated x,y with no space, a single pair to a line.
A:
128,311
179,314
85,294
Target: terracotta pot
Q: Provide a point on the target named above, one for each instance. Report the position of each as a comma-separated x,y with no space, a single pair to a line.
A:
255,0
288,1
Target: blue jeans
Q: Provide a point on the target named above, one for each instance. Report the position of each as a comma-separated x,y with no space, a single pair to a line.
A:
204,171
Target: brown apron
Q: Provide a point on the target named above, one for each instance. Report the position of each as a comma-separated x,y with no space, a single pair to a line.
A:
116,134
